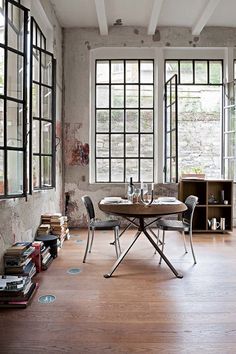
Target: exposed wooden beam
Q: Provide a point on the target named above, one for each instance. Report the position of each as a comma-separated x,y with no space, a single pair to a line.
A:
102,18
204,17
156,10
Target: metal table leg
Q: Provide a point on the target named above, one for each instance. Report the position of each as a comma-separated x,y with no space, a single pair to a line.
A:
178,275
122,256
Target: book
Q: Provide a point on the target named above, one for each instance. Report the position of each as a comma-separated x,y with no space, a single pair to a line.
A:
19,302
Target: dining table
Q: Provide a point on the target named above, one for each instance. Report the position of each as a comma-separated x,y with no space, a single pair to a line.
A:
142,216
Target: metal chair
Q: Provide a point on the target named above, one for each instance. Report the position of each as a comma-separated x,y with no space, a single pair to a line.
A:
184,225
94,224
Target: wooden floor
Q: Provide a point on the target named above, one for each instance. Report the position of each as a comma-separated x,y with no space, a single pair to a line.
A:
143,308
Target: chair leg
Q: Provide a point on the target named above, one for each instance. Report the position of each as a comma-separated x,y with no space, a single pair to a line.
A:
191,244
87,246
118,238
158,236
183,234
117,241
90,248
162,246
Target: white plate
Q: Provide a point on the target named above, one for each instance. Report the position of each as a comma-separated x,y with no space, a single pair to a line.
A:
112,199
167,199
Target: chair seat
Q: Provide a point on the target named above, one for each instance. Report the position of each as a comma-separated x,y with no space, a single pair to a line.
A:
104,224
177,225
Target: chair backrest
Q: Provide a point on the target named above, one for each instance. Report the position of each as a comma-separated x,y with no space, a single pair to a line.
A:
190,202
89,206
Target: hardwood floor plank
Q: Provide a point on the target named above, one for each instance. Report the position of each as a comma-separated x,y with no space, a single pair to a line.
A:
142,309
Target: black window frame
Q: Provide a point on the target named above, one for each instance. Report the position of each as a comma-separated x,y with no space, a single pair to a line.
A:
6,98
124,132
208,83
40,46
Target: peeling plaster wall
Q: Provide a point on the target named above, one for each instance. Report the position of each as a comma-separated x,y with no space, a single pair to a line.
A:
19,218
77,43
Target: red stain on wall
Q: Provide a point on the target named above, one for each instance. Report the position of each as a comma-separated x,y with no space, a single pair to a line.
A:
77,152
80,154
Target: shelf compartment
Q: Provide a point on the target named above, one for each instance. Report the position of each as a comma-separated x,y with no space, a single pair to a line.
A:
197,188
221,212
215,188
200,218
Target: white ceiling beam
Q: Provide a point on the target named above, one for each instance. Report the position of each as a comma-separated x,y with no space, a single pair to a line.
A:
156,10
204,17
102,18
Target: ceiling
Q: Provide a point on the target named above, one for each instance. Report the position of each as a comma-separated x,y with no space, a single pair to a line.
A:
195,14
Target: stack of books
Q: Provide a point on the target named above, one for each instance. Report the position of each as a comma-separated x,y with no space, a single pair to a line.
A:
55,224
46,257
18,259
46,218
59,227
16,291
44,229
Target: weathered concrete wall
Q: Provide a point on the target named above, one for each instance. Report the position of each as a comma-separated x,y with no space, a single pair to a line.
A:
19,218
77,44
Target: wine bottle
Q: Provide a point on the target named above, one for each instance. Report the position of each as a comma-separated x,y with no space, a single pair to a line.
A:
130,189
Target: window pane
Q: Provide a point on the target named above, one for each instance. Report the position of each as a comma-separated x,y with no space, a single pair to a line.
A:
36,181
15,75
131,145
1,71
132,169
102,72
35,64
117,96
15,172
146,120
117,170
46,109
46,171
173,143
46,136
171,69
146,96
35,136
2,23
1,172
231,122
131,120
201,72
132,96
102,96
117,71
146,145
215,72
132,71
186,72
117,120
173,170
14,124
146,170
146,72
102,145
35,100
1,122
15,28
102,120
46,67
102,169
117,145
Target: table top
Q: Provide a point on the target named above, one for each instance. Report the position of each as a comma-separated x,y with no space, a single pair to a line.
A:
140,210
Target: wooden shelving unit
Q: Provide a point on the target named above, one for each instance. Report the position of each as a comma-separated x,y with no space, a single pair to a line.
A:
206,210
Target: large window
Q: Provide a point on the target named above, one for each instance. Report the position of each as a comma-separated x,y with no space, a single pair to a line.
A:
42,111
200,84
124,130
13,99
